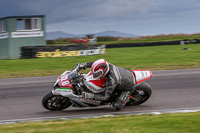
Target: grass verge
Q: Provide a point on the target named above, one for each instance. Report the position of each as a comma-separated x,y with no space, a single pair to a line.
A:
165,123
152,58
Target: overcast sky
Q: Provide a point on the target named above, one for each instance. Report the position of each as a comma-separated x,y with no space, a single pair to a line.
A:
140,17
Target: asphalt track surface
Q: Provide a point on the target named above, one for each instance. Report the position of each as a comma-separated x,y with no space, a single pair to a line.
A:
172,89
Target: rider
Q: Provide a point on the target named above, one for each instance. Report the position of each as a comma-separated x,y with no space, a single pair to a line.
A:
116,77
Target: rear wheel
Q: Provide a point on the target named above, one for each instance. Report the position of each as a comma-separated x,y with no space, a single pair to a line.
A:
55,102
141,94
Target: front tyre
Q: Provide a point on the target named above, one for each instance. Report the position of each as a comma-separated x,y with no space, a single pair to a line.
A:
141,94
55,102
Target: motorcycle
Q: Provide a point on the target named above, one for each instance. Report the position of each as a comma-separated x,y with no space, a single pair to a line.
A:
77,89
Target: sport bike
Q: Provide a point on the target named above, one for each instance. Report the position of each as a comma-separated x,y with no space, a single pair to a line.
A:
77,89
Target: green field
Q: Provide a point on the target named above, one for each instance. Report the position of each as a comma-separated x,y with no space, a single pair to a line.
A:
165,123
152,58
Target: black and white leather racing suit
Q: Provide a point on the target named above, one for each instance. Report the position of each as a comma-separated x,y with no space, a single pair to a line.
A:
117,78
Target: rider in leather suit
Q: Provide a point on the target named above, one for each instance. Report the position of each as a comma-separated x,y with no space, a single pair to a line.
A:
116,78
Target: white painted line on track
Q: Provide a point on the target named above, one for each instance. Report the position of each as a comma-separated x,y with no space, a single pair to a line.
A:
86,116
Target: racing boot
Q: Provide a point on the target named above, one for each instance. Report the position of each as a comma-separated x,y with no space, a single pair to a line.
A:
121,100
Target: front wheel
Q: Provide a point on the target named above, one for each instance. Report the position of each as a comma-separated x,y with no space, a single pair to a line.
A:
141,94
55,102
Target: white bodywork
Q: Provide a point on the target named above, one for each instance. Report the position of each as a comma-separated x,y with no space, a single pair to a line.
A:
141,75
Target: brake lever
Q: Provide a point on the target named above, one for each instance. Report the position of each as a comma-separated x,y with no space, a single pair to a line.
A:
77,67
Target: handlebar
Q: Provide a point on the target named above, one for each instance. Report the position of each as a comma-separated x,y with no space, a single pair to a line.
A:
77,68
74,76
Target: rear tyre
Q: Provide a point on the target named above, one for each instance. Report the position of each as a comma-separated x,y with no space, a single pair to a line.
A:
55,102
141,94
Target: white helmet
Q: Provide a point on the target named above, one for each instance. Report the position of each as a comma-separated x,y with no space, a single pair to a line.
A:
100,68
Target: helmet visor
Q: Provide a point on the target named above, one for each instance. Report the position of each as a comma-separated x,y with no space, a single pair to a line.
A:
97,74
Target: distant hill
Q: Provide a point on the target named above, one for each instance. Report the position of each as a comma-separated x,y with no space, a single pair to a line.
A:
115,34
60,34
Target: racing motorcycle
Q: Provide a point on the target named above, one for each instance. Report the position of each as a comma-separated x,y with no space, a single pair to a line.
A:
77,89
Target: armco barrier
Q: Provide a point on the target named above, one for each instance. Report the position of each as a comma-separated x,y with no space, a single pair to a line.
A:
61,51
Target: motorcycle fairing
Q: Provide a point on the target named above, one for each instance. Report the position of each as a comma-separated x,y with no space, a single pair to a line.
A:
62,91
82,102
63,80
77,101
141,75
65,89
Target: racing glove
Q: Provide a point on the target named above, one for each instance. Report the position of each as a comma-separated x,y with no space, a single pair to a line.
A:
82,66
85,65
